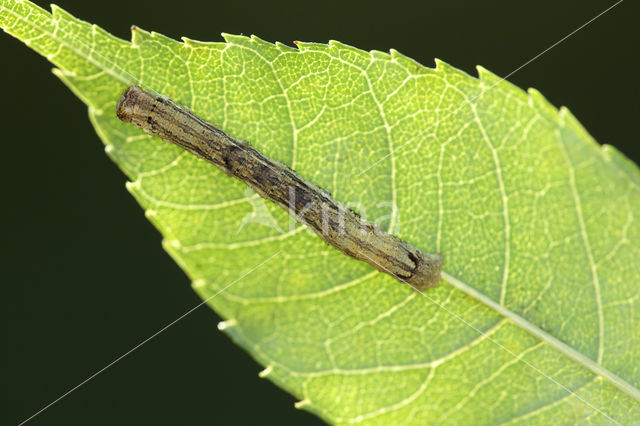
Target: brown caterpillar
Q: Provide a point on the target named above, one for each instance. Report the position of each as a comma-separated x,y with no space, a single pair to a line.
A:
337,225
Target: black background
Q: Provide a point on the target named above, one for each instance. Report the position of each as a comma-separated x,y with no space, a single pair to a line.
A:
84,277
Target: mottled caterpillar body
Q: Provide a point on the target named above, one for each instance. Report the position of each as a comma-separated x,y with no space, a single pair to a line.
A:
336,224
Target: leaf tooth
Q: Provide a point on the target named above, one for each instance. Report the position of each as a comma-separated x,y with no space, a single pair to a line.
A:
492,80
441,65
264,48
197,44
305,45
284,48
168,41
135,188
104,36
302,403
351,54
264,373
570,120
152,216
410,63
150,213
59,14
132,186
444,68
63,74
350,49
138,35
620,162
379,54
224,325
70,79
239,40
198,283
172,247
176,244
261,42
190,42
71,29
563,114
486,75
544,107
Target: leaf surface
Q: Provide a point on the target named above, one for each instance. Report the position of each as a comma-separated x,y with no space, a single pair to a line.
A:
538,318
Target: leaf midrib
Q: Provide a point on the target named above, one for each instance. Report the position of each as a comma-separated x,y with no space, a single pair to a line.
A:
552,341
458,284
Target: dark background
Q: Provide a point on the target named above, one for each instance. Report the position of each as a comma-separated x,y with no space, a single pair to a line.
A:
84,277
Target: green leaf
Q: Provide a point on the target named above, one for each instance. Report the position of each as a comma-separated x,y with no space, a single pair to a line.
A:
538,318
